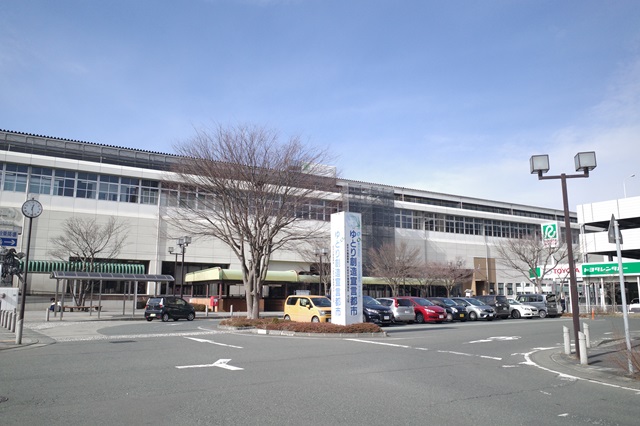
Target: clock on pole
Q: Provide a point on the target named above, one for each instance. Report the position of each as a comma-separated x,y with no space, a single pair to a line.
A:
32,208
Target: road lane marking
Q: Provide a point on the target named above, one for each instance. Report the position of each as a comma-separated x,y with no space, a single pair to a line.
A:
423,349
212,342
380,343
134,336
222,363
494,339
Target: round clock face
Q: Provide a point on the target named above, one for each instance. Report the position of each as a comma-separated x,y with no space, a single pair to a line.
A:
32,208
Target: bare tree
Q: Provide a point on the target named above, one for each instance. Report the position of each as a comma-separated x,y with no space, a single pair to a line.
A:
252,192
531,257
450,273
317,252
88,242
394,264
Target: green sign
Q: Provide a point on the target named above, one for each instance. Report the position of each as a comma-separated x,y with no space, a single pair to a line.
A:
609,269
550,234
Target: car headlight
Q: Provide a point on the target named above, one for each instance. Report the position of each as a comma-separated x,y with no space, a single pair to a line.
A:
430,311
323,313
454,310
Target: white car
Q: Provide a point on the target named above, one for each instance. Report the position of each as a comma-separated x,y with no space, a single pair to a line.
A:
519,310
634,307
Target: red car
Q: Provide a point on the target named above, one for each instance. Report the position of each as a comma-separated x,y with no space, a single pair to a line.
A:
426,311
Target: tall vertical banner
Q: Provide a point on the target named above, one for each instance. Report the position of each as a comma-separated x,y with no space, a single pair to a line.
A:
346,268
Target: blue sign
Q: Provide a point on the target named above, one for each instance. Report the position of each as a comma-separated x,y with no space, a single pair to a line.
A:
12,242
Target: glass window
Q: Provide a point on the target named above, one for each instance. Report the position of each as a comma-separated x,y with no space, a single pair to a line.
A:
129,189
108,188
149,191
169,198
87,185
41,180
64,183
15,177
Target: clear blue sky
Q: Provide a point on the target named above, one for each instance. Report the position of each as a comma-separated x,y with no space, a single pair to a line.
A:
447,96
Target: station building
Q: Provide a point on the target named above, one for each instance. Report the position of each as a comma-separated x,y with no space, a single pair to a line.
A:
83,179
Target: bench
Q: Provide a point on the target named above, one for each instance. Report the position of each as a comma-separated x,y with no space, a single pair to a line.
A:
81,308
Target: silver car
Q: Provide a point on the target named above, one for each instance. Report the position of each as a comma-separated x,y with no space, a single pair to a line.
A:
476,309
402,309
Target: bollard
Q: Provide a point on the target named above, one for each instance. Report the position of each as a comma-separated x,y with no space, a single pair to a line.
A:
206,311
231,311
593,313
2,318
587,336
567,340
46,315
584,357
14,320
5,315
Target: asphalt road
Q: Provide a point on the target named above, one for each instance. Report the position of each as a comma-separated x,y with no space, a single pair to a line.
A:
192,373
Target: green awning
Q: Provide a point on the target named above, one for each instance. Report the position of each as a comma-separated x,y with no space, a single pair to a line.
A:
46,267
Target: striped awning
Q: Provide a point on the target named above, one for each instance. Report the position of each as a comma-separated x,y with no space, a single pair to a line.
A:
48,266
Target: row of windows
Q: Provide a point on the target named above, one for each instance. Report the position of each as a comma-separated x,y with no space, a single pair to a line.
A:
69,183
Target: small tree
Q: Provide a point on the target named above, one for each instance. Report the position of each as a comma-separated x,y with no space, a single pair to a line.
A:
246,188
394,264
87,242
531,257
450,273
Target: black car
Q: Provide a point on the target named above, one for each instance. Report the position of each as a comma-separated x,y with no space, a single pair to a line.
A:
376,312
498,302
169,307
455,312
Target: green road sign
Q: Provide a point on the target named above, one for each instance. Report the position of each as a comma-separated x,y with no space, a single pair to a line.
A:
609,269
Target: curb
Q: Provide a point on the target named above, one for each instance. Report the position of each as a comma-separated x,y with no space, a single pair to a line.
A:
290,333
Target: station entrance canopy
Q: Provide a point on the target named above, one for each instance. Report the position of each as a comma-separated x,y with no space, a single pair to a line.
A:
45,267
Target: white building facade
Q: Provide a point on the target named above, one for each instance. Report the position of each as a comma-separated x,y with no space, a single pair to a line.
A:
83,179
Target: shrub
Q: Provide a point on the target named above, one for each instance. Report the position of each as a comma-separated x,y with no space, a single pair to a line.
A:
301,327
199,307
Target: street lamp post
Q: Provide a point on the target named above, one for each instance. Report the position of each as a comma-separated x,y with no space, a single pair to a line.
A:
585,162
183,242
175,269
624,184
321,253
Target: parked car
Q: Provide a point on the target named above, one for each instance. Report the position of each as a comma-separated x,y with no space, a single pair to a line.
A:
168,307
634,306
497,302
547,304
520,310
455,312
426,311
476,309
307,309
402,309
376,312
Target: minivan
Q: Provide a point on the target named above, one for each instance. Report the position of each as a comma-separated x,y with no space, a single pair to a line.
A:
547,304
498,302
307,309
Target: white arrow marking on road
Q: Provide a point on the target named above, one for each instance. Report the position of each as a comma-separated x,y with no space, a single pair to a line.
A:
222,363
492,339
213,343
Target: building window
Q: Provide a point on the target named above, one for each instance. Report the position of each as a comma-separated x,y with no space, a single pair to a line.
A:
129,189
108,188
41,180
169,198
87,185
15,177
64,183
149,192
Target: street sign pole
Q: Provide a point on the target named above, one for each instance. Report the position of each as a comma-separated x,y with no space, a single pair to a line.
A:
625,316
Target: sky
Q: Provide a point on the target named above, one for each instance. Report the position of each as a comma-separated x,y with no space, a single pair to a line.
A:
446,96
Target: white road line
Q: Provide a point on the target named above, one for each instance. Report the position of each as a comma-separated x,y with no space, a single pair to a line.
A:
529,361
380,343
423,349
134,336
212,342
222,363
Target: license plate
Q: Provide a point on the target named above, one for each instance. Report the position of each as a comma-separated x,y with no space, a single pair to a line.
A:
386,317
441,316
152,315
461,315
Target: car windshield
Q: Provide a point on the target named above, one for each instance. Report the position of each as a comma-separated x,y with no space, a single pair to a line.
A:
462,302
321,302
370,300
423,302
475,302
514,302
449,302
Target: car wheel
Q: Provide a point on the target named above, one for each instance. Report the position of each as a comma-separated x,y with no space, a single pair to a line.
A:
419,318
315,319
287,318
165,317
473,316
149,319
191,316
515,314
449,317
543,314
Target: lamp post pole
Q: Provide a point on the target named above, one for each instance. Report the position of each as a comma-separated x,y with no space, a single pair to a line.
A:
584,161
183,243
175,269
624,184
321,253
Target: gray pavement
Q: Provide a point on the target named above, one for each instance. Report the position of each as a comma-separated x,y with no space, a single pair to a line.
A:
608,361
